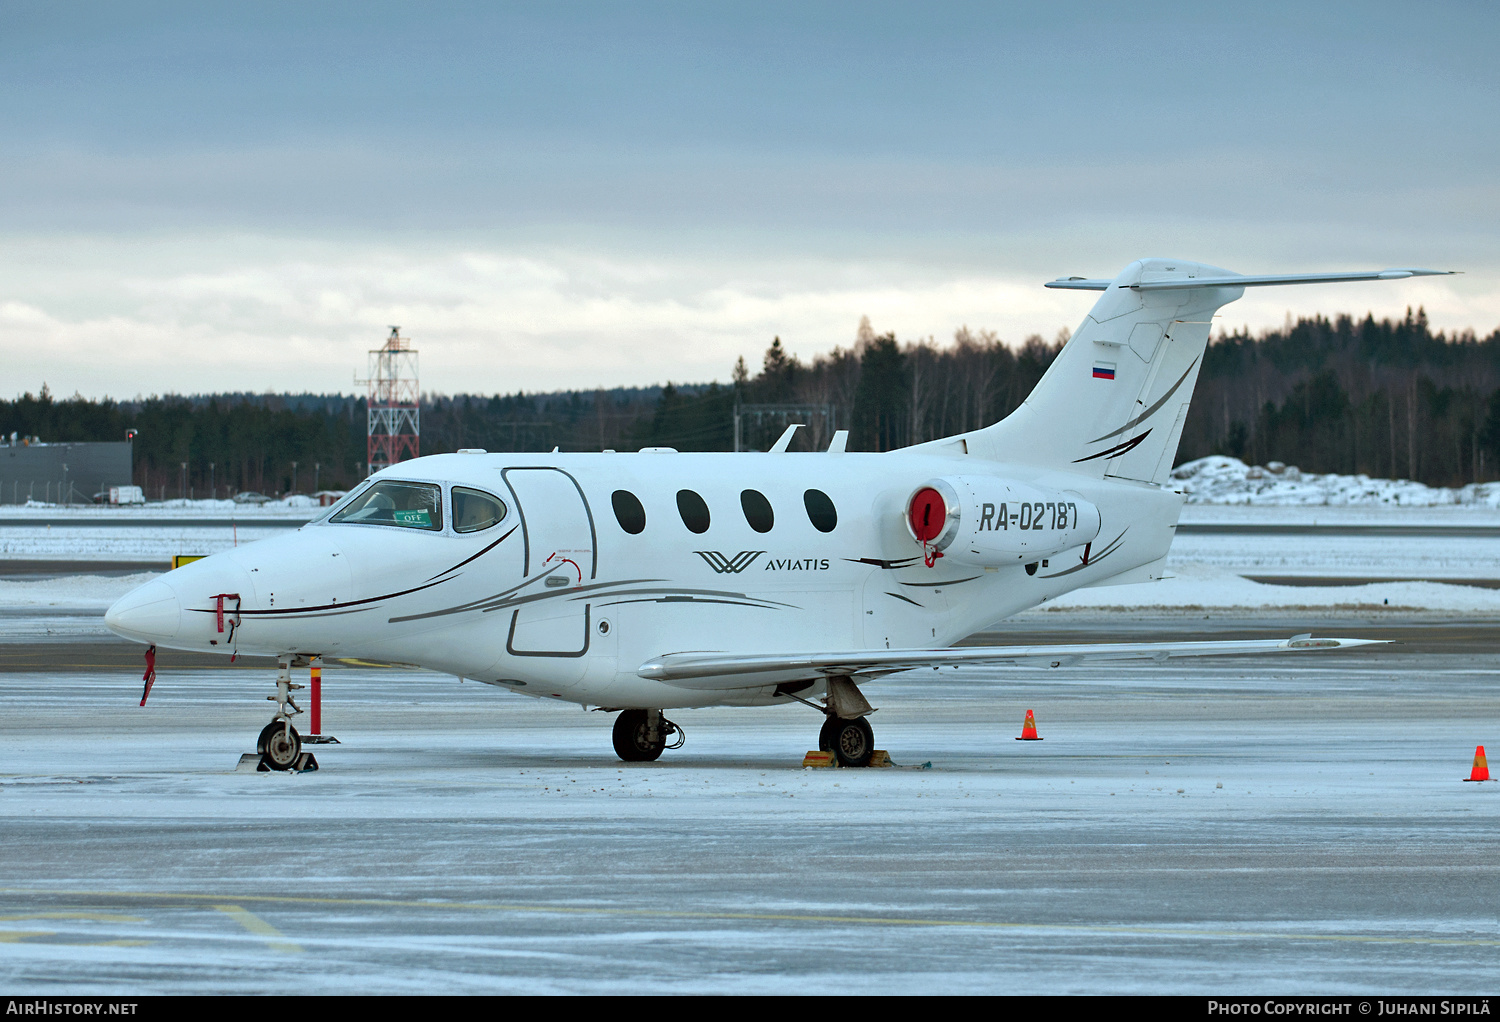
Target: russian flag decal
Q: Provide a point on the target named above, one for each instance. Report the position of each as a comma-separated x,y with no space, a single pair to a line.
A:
1104,371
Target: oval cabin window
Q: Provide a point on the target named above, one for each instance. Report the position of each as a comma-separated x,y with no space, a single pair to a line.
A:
475,510
757,510
820,510
693,510
628,511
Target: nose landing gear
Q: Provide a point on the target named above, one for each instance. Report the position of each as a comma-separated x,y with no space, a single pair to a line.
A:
640,736
279,744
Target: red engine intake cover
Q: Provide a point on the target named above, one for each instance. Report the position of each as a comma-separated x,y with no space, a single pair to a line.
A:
928,514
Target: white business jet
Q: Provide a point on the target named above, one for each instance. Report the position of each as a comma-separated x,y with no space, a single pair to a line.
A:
657,580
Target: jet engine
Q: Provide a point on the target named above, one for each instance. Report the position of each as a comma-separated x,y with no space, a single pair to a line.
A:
991,522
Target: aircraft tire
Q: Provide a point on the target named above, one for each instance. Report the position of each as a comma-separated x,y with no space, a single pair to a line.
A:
631,743
853,742
275,749
825,734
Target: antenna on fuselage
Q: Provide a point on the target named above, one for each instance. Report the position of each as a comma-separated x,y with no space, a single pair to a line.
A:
780,446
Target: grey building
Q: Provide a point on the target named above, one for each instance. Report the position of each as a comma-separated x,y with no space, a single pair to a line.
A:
61,472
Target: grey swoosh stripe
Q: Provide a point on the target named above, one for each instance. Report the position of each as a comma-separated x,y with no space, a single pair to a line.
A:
1149,411
1101,555
1117,450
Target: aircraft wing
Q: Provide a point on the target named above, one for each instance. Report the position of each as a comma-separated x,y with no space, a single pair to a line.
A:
716,671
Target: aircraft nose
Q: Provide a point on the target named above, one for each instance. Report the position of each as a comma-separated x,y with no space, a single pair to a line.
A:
151,613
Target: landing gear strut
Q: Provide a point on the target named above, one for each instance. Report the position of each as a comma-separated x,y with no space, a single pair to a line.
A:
641,735
279,743
846,730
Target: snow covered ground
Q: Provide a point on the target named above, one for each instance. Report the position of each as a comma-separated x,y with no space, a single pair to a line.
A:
69,540
78,592
296,506
1189,827
1342,556
1450,517
1224,480
1297,827
1205,587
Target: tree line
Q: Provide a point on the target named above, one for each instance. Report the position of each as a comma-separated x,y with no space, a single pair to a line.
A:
1387,398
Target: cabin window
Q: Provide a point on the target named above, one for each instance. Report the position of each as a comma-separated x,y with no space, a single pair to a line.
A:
820,510
693,510
475,510
628,511
404,505
757,510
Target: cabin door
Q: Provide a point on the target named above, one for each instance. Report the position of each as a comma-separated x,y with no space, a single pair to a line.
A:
560,559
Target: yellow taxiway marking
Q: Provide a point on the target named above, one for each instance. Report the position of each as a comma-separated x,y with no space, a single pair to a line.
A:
769,917
258,926
13,936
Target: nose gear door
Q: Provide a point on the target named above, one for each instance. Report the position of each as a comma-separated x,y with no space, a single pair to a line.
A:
560,556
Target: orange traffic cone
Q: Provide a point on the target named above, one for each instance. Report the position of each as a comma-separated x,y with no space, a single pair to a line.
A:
1481,771
1028,730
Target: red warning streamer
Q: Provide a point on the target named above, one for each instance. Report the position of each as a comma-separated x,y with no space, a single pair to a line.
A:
150,676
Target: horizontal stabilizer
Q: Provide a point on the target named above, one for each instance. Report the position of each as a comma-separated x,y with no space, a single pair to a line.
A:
718,671
1237,280
1079,284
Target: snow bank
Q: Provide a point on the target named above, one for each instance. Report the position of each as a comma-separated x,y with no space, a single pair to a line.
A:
295,500
71,539
74,591
1224,480
297,507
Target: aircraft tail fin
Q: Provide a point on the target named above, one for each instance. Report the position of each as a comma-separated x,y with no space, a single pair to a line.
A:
1114,401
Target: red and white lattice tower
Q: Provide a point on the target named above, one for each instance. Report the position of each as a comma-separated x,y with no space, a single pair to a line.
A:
395,417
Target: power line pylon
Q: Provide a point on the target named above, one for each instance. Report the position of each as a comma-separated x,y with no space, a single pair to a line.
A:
393,412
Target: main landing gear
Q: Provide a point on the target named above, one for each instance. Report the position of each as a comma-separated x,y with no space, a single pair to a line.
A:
852,741
641,735
846,730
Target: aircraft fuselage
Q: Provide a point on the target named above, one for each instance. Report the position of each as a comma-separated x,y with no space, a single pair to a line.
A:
569,592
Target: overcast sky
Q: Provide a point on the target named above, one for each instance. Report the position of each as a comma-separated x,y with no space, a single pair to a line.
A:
208,197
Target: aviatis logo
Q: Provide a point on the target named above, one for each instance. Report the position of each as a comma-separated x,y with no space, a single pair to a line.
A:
729,565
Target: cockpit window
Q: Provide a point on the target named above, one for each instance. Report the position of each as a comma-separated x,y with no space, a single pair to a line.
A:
338,505
388,502
475,510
